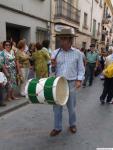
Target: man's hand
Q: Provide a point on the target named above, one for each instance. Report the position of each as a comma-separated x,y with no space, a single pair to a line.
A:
53,62
78,84
95,69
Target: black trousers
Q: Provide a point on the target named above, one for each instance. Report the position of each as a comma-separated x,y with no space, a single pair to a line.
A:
89,73
107,90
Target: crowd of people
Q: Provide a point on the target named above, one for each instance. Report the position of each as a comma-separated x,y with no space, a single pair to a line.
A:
20,63
96,61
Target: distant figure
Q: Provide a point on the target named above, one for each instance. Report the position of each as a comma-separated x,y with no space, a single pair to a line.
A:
91,65
83,55
40,58
107,93
1,46
23,65
14,48
45,46
32,49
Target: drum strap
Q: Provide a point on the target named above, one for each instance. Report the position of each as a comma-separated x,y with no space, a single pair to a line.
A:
57,53
53,68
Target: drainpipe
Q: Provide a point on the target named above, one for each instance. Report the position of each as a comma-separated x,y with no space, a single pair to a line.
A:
91,16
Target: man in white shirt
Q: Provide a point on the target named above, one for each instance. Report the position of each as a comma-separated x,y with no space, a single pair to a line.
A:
69,64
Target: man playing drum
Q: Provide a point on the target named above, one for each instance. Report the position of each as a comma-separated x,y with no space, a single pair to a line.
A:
68,63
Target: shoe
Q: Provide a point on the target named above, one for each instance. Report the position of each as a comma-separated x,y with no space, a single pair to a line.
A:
14,98
109,102
55,132
8,99
102,102
22,95
90,84
2,104
83,85
73,129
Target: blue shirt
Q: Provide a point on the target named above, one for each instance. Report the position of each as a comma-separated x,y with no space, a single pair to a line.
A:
92,57
69,64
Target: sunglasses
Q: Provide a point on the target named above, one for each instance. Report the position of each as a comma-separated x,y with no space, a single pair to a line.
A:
7,45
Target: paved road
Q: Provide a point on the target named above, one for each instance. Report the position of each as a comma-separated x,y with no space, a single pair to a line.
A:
28,128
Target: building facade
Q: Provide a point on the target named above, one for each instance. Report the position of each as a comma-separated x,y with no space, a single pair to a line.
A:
84,33
64,14
84,16
24,19
107,25
96,25
90,29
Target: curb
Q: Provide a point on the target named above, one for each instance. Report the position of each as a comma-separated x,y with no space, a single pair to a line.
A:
13,108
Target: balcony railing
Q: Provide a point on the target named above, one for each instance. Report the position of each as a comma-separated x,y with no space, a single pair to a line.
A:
64,10
97,1
105,20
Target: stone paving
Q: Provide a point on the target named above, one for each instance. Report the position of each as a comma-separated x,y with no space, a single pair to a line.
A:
28,128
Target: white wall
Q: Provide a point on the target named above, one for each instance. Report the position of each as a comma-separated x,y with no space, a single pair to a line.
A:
85,6
97,14
2,30
35,7
84,35
19,19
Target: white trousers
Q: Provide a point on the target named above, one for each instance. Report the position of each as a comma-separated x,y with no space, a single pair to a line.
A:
25,73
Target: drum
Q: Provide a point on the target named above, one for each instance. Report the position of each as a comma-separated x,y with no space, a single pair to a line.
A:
52,90
3,78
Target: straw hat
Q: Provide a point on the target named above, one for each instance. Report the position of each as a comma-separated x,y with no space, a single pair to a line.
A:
66,33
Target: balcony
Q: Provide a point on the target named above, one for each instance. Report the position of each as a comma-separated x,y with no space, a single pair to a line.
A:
65,11
97,1
104,32
105,21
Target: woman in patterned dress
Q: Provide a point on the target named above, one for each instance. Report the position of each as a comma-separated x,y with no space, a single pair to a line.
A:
9,61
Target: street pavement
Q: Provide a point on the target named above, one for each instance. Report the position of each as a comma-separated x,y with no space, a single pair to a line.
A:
13,105
28,128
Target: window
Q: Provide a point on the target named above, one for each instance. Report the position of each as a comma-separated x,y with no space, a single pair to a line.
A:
85,19
98,28
100,3
103,37
94,27
41,35
84,45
